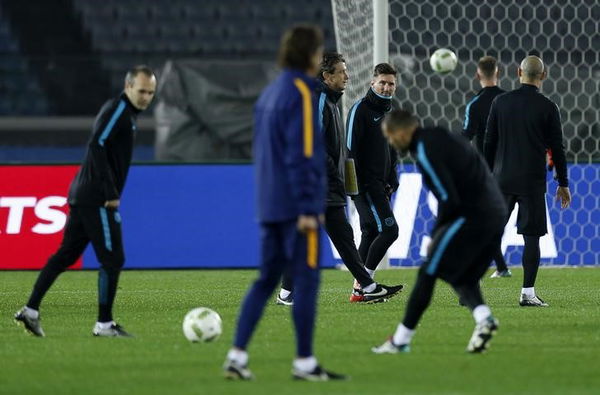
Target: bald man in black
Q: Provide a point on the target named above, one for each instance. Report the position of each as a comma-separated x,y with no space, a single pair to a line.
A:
522,124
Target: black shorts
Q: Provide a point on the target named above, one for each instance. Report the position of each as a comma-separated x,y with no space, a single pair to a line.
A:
375,212
98,225
531,219
460,251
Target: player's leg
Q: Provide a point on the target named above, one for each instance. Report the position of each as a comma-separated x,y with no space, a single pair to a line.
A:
368,227
303,250
386,225
342,236
72,246
417,303
273,263
502,269
104,227
285,296
531,223
468,288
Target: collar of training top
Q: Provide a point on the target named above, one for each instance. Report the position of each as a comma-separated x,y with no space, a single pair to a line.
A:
379,102
332,95
124,97
529,86
415,139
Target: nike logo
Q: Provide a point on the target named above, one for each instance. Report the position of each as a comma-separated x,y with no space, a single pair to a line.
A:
382,292
377,119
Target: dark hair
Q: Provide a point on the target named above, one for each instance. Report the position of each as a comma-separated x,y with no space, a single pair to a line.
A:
135,70
487,65
400,119
298,44
330,60
384,68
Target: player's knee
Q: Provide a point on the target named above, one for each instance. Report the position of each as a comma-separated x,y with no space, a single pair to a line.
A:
61,262
390,229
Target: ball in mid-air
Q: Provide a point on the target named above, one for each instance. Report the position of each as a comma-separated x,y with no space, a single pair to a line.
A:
443,61
202,325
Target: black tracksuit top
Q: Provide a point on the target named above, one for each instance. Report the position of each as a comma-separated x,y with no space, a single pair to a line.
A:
333,128
106,164
476,115
458,177
374,158
522,124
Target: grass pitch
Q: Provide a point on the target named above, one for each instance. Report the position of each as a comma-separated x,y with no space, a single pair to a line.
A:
536,351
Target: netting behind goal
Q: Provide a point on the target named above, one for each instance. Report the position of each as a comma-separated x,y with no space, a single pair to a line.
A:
563,33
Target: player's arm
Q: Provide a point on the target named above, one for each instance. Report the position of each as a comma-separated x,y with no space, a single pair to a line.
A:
354,132
435,169
109,122
557,149
555,143
301,164
471,122
393,176
330,137
491,136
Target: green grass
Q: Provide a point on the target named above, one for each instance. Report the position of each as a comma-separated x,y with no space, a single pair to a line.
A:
537,351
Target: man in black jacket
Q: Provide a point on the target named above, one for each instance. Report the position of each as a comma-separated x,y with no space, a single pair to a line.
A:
375,163
522,124
476,115
333,78
94,200
468,229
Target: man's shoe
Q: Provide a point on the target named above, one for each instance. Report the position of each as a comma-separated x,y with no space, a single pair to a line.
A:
501,274
356,296
390,348
482,335
232,370
318,374
289,301
32,325
534,301
115,330
381,293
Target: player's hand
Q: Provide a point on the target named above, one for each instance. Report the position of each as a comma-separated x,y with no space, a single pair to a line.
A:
564,195
112,203
307,222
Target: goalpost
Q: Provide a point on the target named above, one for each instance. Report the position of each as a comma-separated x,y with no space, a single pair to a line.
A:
562,32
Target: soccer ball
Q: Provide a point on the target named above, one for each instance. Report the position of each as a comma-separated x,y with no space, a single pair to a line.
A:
443,61
202,325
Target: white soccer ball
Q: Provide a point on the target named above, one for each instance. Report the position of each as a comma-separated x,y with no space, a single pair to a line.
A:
202,325
443,61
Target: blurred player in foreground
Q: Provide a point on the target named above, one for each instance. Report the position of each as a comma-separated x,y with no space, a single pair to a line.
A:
470,222
291,185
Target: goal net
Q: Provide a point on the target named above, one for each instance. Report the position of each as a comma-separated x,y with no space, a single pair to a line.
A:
563,33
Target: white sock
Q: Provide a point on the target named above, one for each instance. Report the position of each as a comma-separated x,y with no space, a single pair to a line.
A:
481,313
239,356
370,288
403,335
105,325
529,292
305,364
284,293
371,272
31,313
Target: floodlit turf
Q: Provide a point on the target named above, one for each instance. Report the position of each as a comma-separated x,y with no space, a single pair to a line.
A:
549,351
